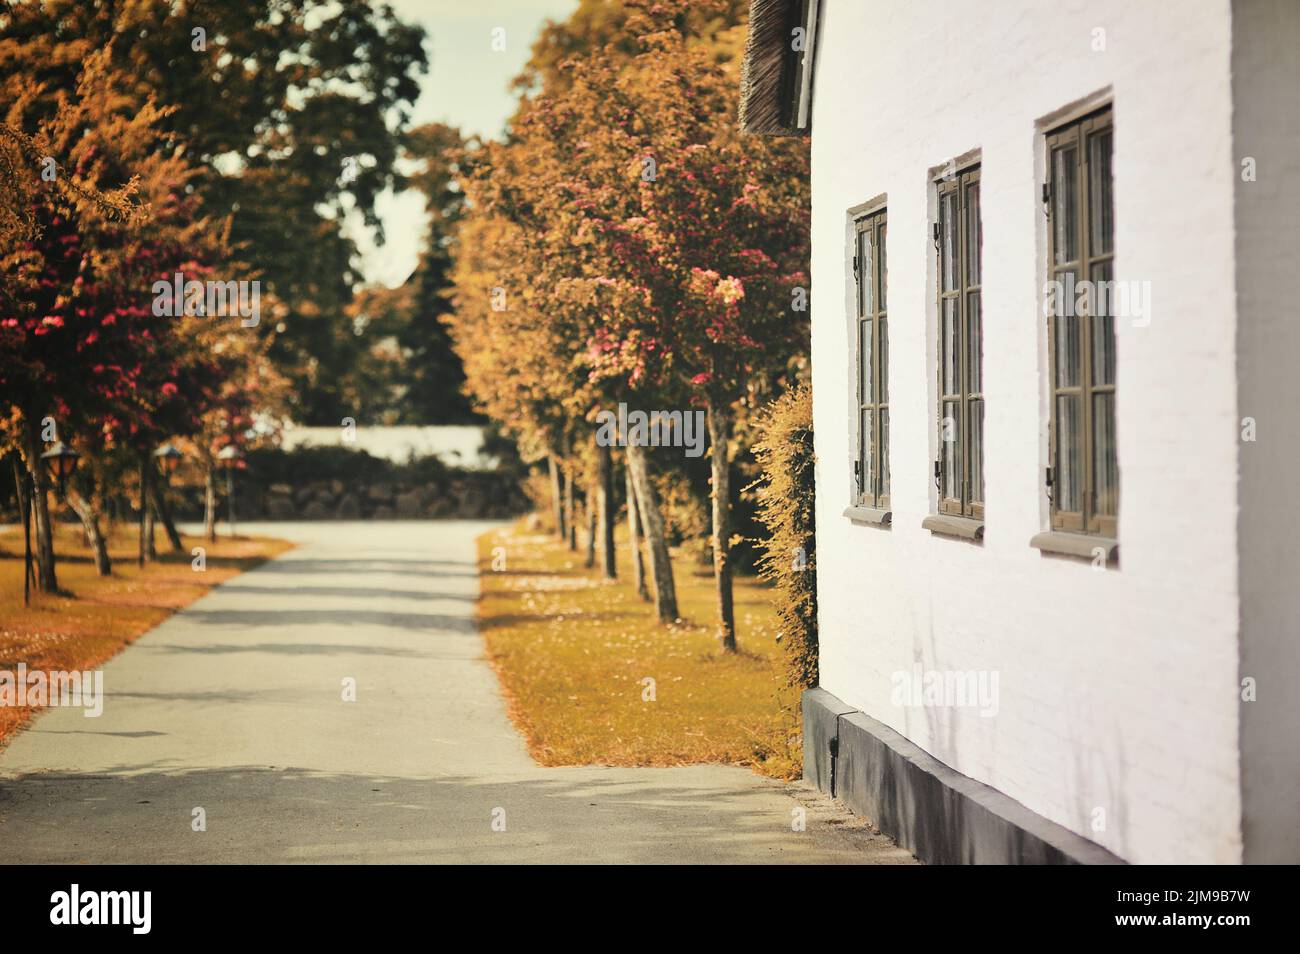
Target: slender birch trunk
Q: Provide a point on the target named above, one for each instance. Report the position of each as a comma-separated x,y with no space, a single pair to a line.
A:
634,536
150,537
661,567
46,576
147,549
569,523
210,504
557,502
89,511
719,432
24,517
158,491
589,507
605,511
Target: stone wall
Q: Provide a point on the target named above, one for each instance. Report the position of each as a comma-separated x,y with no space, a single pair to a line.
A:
461,495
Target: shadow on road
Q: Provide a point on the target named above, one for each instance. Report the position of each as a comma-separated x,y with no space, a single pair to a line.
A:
144,814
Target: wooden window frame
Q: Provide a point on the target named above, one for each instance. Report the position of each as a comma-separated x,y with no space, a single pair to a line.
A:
871,250
960,186
1079,134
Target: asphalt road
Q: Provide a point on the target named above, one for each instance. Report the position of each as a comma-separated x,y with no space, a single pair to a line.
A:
236,706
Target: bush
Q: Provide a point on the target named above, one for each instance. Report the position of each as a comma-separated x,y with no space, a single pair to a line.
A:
786,494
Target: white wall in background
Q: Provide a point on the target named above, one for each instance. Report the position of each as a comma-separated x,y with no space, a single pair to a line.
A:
455,445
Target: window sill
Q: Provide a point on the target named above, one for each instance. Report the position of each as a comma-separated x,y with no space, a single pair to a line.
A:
1062,543
944,525
870,515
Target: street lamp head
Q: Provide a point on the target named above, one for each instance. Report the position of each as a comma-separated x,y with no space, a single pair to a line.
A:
61,460
169,455
229,455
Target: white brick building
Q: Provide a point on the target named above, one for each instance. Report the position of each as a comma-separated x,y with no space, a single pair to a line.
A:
1120,606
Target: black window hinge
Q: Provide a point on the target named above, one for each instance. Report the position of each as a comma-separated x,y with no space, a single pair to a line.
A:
1047,199
936,236
1048,478
938,470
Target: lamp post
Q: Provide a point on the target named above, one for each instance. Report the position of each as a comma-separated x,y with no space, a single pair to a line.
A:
169,456
229,456
62,462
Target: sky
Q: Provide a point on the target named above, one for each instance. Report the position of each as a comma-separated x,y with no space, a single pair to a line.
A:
466,86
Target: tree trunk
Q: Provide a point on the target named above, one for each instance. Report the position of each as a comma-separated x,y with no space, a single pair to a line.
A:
589,506
210,504
24,515
88,510
557,502
150,537
570,525
661,567
47,580
634,536
147,551
605,511
158,491
719,431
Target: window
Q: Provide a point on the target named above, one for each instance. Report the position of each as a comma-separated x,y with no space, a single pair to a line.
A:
960,467
869,268
1083,474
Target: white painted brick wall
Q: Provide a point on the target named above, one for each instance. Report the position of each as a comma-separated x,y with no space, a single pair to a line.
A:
1118,688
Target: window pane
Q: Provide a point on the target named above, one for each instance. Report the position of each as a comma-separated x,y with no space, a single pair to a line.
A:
884,268
948,239
1067,352
884,360
1103,325
868,461
1065,330
865,273
950,346
865,393
974,344
1105,476
1101,212
1065,204
974,234
1069,453
884,452
950,450
976,409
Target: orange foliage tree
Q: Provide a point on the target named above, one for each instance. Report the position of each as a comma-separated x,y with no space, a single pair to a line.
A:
653,254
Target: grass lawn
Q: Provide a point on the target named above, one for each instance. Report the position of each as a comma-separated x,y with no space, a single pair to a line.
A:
572,652
97,616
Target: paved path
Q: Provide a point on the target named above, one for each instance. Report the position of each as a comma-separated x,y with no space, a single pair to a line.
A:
234,705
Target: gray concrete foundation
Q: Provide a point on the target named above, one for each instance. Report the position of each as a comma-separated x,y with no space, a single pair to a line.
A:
938,814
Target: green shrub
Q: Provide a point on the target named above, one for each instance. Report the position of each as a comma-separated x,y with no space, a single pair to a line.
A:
785,492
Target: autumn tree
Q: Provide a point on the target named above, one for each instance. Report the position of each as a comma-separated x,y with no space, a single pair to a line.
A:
667,252
63,215
290,112
528,280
